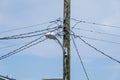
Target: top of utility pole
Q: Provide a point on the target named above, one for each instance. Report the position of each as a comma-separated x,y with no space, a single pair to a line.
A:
66,40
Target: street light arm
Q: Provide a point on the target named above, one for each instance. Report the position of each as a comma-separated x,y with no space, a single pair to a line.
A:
53,37
64,50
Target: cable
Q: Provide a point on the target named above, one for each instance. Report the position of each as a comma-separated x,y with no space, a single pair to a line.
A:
21,28
80,58
95,39
92,31
73,27
24,36
98,49
21,35
32,32
27,27
81,21
14,52
10,53
4,47
100,40
30,44
8,38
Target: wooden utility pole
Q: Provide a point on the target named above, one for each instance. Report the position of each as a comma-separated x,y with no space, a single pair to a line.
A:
66,40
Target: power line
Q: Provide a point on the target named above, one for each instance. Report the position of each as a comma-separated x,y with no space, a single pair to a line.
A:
8,38
30,44
100,40
28,26
92,31
21,28
80,58
4,47
34,42
33,32
22,35
93,23
98,49
115,35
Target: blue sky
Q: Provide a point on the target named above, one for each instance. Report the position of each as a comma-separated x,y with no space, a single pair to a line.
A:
45,60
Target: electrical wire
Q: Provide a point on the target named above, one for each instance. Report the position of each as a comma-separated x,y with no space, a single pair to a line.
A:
21,28
93,23
56,22
32,32
7,38
22,35
102,40
80,58
106,41
28,26
92,31
98,49
30,44
115,35
9,46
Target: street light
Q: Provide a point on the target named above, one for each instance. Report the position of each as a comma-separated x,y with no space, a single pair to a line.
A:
52,36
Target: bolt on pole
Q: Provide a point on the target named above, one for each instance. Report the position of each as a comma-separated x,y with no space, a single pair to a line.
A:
66,40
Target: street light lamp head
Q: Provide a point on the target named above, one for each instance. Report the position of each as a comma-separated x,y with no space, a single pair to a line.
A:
50,35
